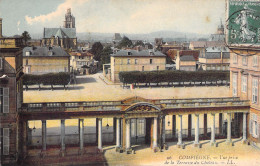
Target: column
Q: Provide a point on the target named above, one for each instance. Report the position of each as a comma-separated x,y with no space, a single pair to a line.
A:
43,134
62,136
114,129
25,137
163,131
173,126
196,141
229,128
205,125
118,132
100,134
213,142
180,132
155,133
128,134
81,134
220,123
189,125
244,127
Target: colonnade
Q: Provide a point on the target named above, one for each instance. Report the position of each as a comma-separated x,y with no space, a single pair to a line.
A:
213,135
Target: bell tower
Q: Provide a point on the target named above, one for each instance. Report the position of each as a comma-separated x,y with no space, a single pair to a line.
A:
69,20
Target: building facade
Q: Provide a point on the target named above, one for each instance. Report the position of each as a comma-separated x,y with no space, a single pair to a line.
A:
214,58
82,62
187,60
42,60
11,98
134,60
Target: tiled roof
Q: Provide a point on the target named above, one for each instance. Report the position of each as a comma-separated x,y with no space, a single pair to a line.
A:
193,55
45,52
86,53
59,32
138,53
187,58
201,44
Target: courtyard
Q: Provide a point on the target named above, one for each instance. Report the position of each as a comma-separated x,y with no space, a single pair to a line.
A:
94,88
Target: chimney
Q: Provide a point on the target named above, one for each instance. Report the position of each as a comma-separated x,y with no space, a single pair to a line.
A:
1,28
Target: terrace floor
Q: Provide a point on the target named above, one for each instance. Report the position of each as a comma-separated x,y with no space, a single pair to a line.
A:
93,88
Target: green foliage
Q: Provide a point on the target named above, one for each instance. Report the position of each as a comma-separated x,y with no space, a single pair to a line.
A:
96,50
105,55
139,43
26,36
172,76
125,42
61,78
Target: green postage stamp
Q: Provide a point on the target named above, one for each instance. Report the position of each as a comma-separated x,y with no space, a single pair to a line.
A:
243,22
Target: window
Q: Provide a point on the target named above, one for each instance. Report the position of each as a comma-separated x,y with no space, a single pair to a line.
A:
157,67
151,61
234,84
26,62
141,127
128,61
223,67
5,141
255,60
133,127
27,53
142,68
234,58
136,61
253,126
254,90
218,67
213,67
244,84
4,100
244,60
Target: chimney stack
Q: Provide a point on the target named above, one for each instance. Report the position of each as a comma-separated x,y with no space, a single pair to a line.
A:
1,28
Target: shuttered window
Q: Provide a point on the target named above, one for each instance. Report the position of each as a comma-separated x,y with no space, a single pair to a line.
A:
5,141
5,100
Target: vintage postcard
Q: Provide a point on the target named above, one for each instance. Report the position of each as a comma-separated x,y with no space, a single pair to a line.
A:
130,82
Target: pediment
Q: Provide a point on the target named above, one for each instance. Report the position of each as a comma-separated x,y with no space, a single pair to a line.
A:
135,99
142,107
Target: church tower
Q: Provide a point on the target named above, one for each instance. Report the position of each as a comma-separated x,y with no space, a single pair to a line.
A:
69,20
220,30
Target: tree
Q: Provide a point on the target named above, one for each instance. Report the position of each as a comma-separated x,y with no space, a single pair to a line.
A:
125,42
26,37
105,55
139,43
96,50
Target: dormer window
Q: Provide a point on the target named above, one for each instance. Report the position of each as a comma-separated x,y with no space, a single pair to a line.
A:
129,53
151,53
27,53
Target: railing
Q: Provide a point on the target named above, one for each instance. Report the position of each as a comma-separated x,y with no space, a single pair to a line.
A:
73,139
117,105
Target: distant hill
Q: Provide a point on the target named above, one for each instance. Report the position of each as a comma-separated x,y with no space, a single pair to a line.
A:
108,37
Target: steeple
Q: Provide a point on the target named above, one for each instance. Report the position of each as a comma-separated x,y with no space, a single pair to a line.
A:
220,30
69,20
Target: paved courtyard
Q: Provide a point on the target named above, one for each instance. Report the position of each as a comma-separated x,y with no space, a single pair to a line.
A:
237,155
93,88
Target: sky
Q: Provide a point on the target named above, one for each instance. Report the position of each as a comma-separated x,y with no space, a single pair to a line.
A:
110,16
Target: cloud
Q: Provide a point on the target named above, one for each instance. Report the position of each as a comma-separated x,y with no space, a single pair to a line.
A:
55,14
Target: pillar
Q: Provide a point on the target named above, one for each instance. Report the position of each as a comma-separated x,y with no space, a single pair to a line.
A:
244,128
220,123
229,128
189,125
155,133
180,144
173,126
196,141
81,134
205,125
163,130
118,132
212,141
100,134
25,137
128,134
43,135
62,136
